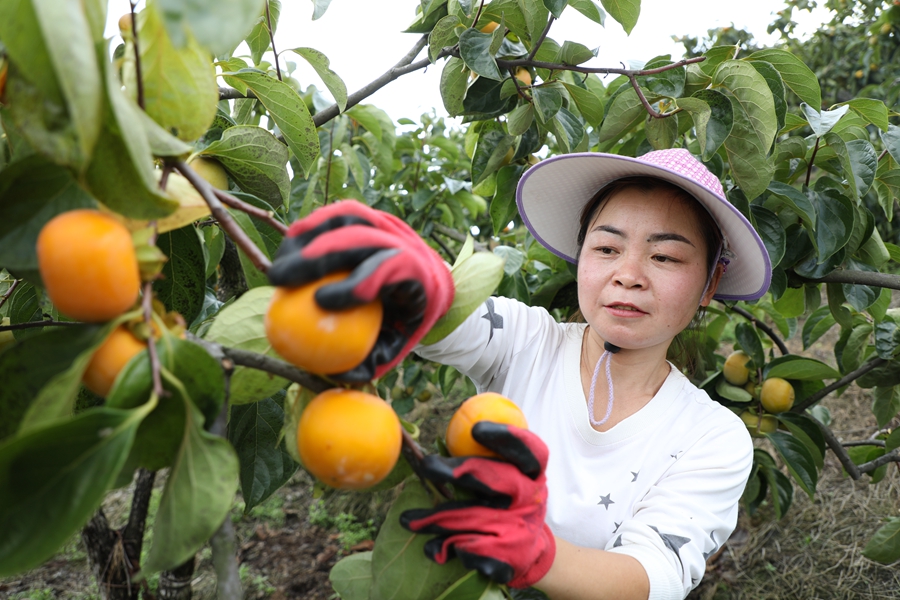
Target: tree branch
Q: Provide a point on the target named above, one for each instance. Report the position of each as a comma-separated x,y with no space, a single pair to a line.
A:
137,56
540,40
404,66
885,280
234,231
9,291
133,533
232,94
525,62
36,324
458,236
838,449
879,443
266,216
444,247
147,306
892,456
846,379
759,325
272,40
812,159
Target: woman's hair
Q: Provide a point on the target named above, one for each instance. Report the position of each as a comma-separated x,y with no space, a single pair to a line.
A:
687,349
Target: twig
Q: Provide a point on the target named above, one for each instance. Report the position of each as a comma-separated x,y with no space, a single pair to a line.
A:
892,456
443,246
137,56
885,280
147,305
401,68
838,449
458,236
879,443
846,379
540,40
812,159
272,40
761,326
36,324
883,154
266,216
478,14
232,94
328,166
9,291
525,62
234,231
652,111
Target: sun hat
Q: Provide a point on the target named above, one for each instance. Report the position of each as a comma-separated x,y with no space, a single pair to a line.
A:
551,195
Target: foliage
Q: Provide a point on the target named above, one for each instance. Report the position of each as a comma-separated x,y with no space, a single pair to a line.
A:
807,151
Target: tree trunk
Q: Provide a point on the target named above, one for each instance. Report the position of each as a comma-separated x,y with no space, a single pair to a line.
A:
176,584
108,560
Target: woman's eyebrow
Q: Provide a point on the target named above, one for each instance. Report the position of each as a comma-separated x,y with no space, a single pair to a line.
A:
669,237
610,229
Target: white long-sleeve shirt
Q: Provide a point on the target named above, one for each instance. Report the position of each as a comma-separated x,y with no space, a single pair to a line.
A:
661,486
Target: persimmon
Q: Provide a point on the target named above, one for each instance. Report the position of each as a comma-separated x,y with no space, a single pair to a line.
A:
488,406
211,170
321,341
776,395
88,264
489,27
758,426
349,439
523,75
735,369
110,358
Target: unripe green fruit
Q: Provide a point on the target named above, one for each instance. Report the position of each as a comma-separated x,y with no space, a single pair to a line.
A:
735,369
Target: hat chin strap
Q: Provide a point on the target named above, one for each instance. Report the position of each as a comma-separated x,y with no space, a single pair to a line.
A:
608,351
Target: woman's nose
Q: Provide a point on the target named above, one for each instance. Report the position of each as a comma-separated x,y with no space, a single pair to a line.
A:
629,272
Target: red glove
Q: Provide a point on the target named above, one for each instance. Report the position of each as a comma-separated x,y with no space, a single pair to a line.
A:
387,259
501,533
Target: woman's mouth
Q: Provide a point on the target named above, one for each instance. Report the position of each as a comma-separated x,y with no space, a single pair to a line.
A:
624,310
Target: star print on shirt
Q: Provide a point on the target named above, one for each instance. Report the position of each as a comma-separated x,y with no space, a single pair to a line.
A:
634,475
677,454
605,501
618,542
673,542
493,318
617,526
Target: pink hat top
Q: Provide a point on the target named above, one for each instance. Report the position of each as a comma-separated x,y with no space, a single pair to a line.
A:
551,195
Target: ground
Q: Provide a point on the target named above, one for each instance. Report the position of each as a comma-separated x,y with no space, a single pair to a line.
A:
289,544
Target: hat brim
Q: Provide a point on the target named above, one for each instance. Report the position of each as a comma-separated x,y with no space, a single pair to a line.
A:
551,195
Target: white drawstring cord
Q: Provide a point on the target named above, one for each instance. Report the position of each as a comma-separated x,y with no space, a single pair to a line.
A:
608,351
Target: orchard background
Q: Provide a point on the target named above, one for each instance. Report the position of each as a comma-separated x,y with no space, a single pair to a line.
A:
199,430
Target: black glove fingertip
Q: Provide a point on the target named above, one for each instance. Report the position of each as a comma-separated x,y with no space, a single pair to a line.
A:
435,546
499,438
494,569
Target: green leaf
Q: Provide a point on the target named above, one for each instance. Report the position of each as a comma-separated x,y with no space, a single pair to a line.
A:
53,479
555,7
893,441
891,141
818,323
183,283
590,9
289,113
799,368
242,325
475,279
859,161
748,339
855,347
834,222
823,122
732,392
804,428
792,303
589,104
776,86
715,56
700,114
873,111
121,173
799,203
473,586
796,75
520,119
332,81
884,547
547,102
797,458
771,231
572,53
319,8
256,160
218,26
258,39
669,84
568,130
454,78
162,143
445,33
746,153
33,191
503,205
474,49
197,497
625,12
351,577
885,405
34,362
54,91
490,153
255,432
622,115
400,568
779,484
179,81
887,338
661,133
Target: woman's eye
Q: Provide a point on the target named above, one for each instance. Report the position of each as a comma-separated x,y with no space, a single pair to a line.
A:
663,258
605,250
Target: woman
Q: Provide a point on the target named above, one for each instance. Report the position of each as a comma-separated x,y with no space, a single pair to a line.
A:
644,472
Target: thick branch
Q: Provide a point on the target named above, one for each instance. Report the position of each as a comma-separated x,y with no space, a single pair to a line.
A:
232,94
133,533
838,449
885,280
36,324
879,443
846,379
458,236
526,62
266,216
401,68
892,456
450,255
761,326
234,231
540,40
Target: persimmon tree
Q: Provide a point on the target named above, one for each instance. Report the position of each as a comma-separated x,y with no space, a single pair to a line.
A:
86,125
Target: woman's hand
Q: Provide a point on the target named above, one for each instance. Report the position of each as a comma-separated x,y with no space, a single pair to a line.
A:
386,260
501,532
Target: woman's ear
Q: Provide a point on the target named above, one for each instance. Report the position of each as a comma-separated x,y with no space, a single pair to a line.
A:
713,285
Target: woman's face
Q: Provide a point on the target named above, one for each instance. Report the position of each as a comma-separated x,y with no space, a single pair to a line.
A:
642,269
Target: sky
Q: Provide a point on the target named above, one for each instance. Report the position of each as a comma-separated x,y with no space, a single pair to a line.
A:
363,39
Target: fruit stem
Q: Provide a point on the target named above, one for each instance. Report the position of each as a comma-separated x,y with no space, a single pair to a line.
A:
414,456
